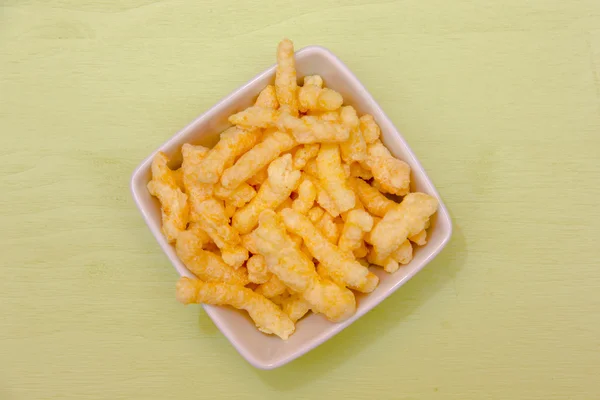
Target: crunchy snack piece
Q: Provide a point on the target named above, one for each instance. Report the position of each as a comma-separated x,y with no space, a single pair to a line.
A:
285,260
238,196
420,239
369,128
342,268
285,77
204,264
257,269
295,307
313,97
393,175
373,199
257,158
358,171
304,154
234,142
307,193
332,177
358,222
174,203
311,129
355,148
196,190
283,179
267,98
273,287
266,315
407,219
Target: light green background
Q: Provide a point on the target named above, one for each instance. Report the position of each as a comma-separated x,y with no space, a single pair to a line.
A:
500,100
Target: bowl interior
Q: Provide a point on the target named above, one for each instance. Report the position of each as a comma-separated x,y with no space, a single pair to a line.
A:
259,349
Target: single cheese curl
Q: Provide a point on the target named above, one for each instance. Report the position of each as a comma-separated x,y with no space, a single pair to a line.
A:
391,174
285,77
407,219
266,315
197,191
174,203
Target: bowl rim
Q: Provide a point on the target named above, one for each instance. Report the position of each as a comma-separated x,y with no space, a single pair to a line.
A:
213,311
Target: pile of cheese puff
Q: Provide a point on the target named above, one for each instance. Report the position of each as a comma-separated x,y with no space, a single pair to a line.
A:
287,212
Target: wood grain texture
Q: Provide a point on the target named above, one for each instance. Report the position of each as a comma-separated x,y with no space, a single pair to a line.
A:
500,100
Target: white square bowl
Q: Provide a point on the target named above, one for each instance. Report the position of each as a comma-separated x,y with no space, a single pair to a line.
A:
268,352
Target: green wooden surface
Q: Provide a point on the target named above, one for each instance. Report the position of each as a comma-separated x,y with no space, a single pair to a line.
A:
500,100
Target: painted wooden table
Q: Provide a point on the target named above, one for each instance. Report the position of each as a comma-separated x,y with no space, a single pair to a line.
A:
499,99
